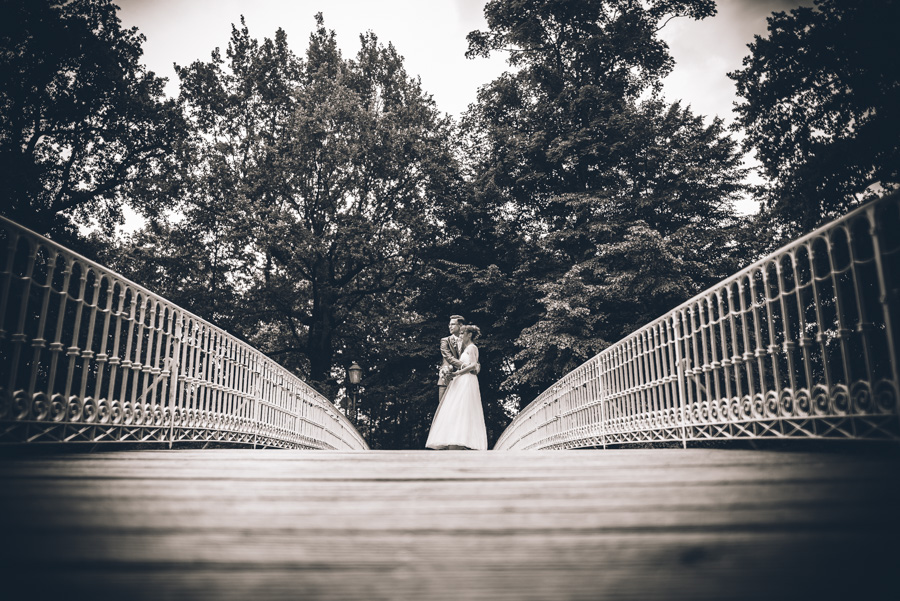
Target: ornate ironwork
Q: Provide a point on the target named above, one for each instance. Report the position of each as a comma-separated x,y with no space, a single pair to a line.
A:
89,356
802,344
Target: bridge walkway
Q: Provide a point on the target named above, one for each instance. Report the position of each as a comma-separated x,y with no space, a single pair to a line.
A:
642,524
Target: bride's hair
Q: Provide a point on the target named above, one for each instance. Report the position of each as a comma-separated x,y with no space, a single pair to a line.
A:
475,331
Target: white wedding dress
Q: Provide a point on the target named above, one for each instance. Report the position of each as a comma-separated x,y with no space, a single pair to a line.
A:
459,419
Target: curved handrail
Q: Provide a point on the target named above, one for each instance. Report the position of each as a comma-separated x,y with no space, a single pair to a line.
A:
801,344
87,355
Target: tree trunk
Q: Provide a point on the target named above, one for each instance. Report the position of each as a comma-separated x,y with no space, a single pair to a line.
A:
321,333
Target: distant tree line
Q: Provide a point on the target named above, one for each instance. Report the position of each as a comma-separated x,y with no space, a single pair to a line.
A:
324,209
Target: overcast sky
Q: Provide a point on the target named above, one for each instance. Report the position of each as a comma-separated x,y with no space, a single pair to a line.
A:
431,36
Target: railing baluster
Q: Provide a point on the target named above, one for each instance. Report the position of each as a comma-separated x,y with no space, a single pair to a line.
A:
733,351
39,343
12,243
87,353
18,337
889,297
678,325
137,367
864,329
725,328
737,360
788,345
843,331
804,340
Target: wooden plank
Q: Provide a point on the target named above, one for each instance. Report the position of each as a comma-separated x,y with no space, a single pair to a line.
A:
620,524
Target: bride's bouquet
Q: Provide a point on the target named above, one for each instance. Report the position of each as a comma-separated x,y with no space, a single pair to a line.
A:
445,372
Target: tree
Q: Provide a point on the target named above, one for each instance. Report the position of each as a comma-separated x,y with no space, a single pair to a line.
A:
617,205
820,97
314,179
554,126
81,119
621,259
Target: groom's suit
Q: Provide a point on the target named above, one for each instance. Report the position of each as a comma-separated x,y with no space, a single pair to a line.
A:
449,357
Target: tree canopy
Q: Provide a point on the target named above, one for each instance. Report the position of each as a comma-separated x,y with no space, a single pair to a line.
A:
324,209
80,117
613,206
820,97
314,184
556,124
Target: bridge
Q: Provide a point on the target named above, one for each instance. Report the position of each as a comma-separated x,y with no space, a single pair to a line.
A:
799,348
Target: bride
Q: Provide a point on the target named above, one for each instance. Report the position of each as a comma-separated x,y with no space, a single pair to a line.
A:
459,420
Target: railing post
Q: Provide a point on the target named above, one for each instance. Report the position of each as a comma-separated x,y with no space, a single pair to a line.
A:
679,362
175,367
888,299
256,404
601,389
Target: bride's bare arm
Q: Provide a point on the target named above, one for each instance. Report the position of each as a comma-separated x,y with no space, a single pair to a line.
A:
476,366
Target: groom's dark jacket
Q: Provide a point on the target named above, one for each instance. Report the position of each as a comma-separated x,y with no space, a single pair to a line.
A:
449,356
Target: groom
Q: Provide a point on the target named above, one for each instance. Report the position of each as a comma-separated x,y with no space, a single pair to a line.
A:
450,355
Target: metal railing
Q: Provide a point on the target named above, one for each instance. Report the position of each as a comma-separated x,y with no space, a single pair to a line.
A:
802,344
89,356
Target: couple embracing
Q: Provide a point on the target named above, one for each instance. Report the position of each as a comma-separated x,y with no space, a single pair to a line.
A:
459,419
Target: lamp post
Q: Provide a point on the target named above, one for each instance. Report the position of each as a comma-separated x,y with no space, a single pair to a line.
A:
354,372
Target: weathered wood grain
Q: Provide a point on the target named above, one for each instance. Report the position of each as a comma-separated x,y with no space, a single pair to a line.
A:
615,524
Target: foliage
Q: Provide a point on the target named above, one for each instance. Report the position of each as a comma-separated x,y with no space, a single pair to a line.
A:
612,206
610,44
555,125
82,121
310,188
820,97
324,210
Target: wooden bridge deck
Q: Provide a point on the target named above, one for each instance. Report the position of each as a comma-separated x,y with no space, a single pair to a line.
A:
620,524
